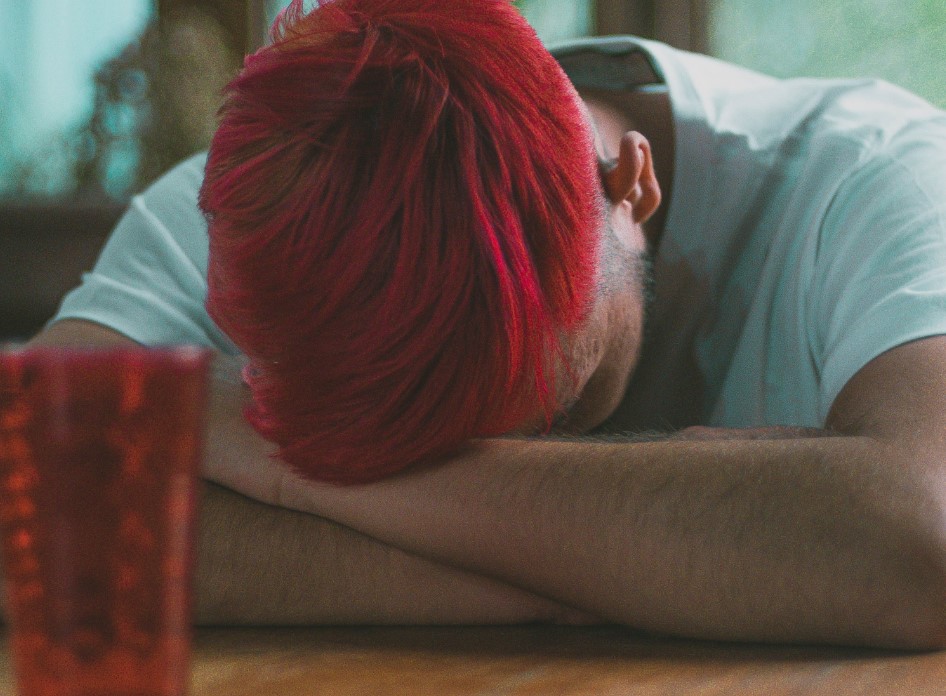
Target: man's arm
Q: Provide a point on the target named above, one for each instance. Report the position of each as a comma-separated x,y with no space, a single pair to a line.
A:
260,564
827,539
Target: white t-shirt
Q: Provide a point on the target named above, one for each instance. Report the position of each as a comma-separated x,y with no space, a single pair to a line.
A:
806,235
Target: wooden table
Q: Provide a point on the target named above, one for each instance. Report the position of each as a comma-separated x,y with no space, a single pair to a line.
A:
533,661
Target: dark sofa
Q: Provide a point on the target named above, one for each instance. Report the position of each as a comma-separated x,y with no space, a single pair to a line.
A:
44,249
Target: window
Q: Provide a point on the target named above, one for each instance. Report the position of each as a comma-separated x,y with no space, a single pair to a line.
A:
48,59
108,94
899,40
556,20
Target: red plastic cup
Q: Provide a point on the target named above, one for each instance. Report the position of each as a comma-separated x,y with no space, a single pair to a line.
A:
99,456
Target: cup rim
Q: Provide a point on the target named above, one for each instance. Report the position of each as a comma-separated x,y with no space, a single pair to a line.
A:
183,354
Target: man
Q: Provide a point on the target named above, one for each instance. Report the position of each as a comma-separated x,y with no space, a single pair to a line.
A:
796,335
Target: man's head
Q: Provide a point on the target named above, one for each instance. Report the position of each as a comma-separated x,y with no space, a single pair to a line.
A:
408,237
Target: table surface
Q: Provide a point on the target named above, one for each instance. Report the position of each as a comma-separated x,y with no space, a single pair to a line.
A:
534,661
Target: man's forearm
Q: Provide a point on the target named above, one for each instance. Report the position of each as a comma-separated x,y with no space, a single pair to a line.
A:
264,564
786,540
260,564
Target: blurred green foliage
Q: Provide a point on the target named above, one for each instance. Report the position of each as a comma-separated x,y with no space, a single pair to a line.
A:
903,41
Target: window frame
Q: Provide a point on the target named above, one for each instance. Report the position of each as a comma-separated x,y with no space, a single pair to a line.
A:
680,23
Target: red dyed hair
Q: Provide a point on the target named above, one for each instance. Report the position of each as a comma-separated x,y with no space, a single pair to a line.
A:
404,215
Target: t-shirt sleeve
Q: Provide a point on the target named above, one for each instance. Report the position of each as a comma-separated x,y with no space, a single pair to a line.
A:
880,278
150,281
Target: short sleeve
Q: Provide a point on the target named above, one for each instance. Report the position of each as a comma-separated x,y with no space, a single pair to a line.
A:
880,276
150,281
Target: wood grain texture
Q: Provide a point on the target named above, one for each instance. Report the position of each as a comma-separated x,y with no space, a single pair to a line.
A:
533,661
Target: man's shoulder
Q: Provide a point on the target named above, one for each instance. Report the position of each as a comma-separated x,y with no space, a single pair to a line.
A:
186,175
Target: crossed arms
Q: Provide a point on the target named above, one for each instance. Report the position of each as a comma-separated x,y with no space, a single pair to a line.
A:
838,539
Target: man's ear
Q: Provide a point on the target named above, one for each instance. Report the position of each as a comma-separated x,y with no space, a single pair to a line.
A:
632,177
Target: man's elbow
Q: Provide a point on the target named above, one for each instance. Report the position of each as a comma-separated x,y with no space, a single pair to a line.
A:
917,622
917,616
